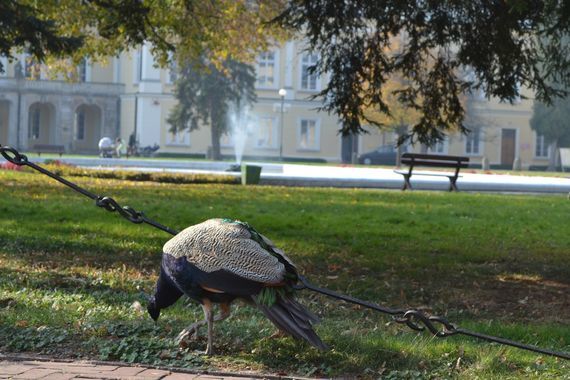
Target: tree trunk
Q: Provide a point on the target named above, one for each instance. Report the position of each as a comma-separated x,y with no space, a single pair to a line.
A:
216,151
553,159
354,149
400,131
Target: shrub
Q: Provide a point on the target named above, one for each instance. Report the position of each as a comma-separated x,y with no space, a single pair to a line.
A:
66,170
10,166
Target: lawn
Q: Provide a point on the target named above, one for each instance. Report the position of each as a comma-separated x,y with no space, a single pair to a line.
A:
72,275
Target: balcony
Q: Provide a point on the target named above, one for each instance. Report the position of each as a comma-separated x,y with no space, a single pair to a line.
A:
61,87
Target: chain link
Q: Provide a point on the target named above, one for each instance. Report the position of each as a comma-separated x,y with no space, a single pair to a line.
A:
417,320
107,203
414,319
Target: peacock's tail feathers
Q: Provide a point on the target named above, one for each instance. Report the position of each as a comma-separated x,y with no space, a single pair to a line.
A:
268,296
289,316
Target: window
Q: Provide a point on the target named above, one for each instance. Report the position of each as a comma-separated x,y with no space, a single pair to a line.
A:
181,138
266,136
138,66
82,71
32,68
266,70
173,71
473,142
34,124
542,149
4,65
308,80
439,147
309,135
80,125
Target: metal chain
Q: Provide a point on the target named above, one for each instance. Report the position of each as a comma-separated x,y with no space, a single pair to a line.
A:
104,202
414,319
419,321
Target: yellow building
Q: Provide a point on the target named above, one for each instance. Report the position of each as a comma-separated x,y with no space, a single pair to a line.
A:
290,118
131,95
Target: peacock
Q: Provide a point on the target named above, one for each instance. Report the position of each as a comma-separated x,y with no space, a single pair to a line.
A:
221,260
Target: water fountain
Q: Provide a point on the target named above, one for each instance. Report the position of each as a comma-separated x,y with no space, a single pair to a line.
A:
240,122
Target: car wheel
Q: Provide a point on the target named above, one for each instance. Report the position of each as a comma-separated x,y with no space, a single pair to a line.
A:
367,161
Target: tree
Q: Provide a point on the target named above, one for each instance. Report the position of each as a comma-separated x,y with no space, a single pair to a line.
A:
205,93
398,117
21,27
553,122
50,29
506,44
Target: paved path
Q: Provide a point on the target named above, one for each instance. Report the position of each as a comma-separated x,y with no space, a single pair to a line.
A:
338,176
64,370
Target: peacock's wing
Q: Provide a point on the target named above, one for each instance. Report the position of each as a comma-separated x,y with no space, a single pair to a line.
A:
232,247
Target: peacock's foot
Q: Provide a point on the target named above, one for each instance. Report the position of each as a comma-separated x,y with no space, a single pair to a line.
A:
187,333
278,334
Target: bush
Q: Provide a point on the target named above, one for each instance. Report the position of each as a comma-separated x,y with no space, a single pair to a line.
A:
10,166
66,170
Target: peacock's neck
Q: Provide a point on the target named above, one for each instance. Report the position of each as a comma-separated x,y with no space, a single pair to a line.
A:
166,292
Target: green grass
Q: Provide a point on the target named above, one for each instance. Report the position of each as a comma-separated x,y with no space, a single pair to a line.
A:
71,274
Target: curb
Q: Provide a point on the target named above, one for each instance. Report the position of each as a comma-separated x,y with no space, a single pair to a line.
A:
245,375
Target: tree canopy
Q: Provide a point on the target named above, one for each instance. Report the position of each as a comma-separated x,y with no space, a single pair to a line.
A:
446,48
21,27
102,28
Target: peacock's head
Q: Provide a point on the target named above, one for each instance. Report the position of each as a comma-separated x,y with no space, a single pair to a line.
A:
153,310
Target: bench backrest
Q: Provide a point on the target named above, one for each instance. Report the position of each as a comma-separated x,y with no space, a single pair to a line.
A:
434,160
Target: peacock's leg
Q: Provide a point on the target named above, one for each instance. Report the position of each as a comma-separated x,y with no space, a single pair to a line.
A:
209,316
193,328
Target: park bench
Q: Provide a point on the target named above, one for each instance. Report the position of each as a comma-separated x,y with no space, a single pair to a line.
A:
432,160
49,148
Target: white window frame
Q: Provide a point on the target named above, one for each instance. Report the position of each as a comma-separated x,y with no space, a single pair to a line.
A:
87,66
539,139
180,138
444,147
304,66
317,125
276,72
275,133
480,149
172,70
137,66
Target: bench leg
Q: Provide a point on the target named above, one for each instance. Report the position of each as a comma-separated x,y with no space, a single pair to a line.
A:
407,184
452,185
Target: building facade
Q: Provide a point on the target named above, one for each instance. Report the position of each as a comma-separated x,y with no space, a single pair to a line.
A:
35,111
131,95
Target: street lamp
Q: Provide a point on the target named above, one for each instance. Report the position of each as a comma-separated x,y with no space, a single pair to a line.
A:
282,93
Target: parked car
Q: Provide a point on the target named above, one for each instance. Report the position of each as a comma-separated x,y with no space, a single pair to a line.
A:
383,155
